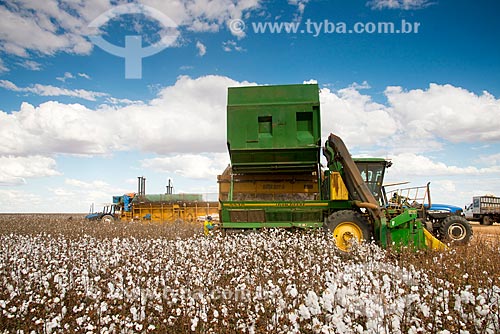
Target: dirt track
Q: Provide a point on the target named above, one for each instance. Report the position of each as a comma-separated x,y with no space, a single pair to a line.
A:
482,231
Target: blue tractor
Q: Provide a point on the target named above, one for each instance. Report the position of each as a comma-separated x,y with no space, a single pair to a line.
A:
448,223
108,214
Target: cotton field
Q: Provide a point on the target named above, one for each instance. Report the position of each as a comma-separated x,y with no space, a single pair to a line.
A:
67,275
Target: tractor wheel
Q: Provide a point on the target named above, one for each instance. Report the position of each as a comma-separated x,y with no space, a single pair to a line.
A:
486,220
347,227
456,230
107,219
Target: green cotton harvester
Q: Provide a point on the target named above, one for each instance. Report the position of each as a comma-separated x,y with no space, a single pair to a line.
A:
275,179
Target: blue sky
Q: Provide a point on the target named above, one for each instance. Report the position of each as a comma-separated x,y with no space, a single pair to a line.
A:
74,130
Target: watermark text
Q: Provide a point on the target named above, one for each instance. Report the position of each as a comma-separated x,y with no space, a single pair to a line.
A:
325,27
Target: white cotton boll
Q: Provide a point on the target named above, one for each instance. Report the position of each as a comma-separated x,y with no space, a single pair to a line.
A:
292,291
483,310
327,300
194,323
396,323
467,297
481,300
80,320
304,312
425,310
203,316
312,303
292,316
412,330
316,325
341,296
224,311
133,310
372,326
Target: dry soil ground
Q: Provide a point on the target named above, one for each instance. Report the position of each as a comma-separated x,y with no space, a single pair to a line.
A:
488,232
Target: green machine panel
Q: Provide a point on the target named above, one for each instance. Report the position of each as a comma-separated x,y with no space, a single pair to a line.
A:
273,128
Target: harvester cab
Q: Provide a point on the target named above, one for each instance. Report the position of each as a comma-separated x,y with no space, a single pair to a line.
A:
372,172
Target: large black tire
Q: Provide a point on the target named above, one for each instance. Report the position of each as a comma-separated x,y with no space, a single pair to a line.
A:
455,230
347,226
486,220
107,219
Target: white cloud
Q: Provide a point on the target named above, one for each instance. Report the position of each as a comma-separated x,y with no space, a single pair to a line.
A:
3,68
399,4
49,90
164,125
46,27
9,85
177,126
489,160
75,196
410,165
67,75
348,113
301,6
86,185
363,85
116,101
444,112
42,27
16,201
31,65
202,49
61,192
231,45
89,191
196,166
83,75
14,170
53,128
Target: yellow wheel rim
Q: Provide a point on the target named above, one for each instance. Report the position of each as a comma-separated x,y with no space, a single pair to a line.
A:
345,233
